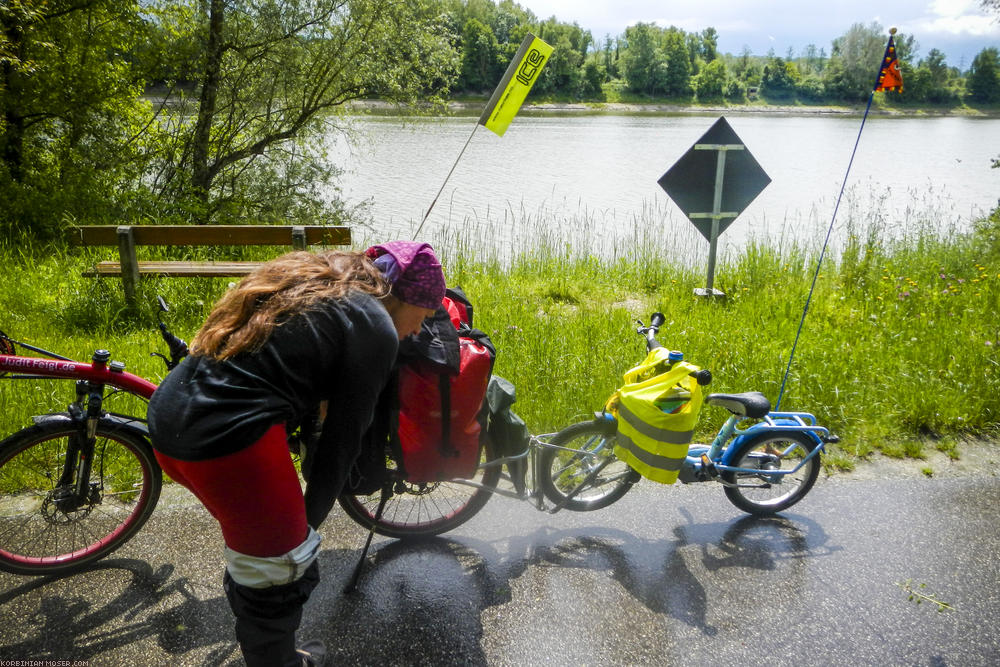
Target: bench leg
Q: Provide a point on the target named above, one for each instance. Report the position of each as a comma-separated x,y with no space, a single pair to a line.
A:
129,262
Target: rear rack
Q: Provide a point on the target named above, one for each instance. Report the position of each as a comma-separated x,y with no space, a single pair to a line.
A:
804,421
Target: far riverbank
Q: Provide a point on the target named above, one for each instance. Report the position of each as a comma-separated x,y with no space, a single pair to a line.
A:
474,107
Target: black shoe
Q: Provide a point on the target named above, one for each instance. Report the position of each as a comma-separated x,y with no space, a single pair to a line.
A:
313,653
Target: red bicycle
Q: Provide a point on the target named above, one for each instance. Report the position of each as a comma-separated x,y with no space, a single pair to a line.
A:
78,484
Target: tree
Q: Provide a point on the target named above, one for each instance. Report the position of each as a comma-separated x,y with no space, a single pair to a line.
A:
675,73
641,58
939,78
711,82
779,79
563,73
273,74
851,72
983,82
810,61
480,51
71,117
609,57
709,44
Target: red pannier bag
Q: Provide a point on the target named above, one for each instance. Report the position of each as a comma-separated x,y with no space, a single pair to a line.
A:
435,448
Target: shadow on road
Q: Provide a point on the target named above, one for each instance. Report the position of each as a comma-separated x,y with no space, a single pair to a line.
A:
417,598
74,617
430,595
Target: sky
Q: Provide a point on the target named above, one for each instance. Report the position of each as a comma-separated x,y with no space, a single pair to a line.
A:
958,28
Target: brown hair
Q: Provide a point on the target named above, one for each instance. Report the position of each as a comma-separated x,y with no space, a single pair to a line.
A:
246,315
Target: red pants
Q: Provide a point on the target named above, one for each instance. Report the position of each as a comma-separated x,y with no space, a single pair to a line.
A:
254,494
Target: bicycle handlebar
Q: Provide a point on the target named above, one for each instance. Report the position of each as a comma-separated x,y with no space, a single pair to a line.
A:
177,347
656,320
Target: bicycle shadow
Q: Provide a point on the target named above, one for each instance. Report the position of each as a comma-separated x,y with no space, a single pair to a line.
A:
416,602
72,617
436,590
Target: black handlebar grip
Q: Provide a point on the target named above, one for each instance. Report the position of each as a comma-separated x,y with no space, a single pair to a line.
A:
178,348
657,320
704,377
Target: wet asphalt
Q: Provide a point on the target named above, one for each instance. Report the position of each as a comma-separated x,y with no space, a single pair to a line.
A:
667,576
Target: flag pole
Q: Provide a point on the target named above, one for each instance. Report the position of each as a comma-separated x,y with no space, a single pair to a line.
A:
521,74
431,207
878,83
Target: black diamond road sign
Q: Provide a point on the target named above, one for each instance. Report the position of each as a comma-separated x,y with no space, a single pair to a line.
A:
691,181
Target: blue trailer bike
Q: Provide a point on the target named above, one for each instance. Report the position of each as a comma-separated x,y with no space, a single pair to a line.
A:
765,462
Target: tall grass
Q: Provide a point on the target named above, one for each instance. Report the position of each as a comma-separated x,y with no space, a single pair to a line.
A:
899,345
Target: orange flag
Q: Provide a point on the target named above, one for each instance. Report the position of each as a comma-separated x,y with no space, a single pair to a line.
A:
889,76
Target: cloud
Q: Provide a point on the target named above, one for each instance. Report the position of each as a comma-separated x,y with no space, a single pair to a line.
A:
699,24
956,17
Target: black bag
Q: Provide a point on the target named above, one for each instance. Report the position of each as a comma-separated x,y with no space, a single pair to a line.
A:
369,472
508,432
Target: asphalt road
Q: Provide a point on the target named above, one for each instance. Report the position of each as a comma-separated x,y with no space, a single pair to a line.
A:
668,575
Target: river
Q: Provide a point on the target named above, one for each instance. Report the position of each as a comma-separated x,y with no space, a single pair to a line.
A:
589,182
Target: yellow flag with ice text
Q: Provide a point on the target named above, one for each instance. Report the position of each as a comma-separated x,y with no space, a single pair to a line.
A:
520,76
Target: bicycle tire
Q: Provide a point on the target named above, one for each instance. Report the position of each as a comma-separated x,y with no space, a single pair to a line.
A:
423,510
564,474
761,494
37,537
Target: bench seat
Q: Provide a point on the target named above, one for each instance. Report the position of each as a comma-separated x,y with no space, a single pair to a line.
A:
177,269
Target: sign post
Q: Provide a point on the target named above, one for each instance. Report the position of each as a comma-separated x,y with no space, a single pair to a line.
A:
712,190
716,215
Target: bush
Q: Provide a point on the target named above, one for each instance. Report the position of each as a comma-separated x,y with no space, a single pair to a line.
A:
810,88
736,90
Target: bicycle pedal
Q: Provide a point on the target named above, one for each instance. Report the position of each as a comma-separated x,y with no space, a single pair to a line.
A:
708,467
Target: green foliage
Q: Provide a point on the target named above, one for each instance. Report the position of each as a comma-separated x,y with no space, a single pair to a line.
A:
71,117
79,143
854,61
712,81
736,90
983,82
639,63
779,79
657,61
810,88
675,72
481,66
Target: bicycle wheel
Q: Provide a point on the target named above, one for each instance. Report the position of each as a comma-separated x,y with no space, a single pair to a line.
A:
564,474
762,493
422,510
42,534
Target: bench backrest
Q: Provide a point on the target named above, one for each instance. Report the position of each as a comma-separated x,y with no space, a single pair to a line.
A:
297,236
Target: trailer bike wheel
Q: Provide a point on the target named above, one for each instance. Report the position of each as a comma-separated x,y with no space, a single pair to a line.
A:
762,492
589,477
427,508
44,528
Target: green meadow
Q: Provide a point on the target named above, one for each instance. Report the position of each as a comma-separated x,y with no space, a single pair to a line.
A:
898,353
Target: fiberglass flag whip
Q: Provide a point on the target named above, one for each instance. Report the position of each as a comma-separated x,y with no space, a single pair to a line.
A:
889,79
506,100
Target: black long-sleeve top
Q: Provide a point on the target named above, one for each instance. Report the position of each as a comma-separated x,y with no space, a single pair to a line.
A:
341,351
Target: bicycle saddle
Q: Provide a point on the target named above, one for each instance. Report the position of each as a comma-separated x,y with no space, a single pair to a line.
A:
748,404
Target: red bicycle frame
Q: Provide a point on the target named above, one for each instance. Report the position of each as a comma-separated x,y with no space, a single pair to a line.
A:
98,371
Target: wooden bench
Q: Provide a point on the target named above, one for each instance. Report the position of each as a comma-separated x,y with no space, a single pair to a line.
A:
129,268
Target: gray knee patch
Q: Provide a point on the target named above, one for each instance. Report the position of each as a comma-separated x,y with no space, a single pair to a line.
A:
263,572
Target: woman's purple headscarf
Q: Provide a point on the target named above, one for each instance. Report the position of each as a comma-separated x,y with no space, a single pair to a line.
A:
413,270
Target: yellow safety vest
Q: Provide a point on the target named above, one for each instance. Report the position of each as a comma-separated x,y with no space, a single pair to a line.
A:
657,411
